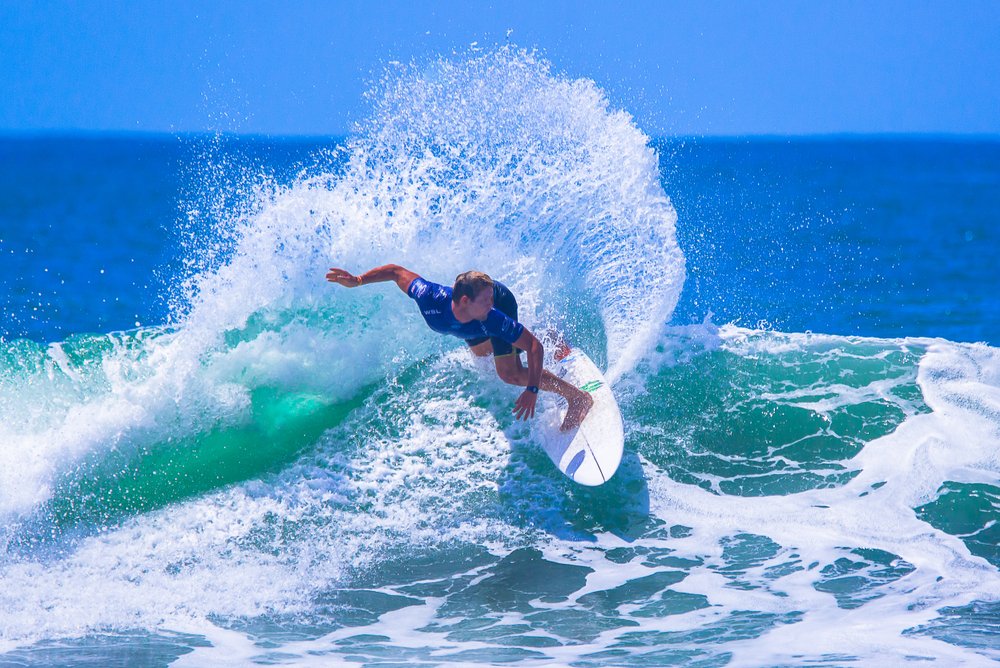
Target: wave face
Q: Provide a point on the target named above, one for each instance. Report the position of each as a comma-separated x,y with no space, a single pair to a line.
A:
294,472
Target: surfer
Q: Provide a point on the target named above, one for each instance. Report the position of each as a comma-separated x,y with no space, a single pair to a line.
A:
484,313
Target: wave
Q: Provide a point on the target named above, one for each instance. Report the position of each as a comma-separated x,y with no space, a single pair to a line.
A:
493,163
290,460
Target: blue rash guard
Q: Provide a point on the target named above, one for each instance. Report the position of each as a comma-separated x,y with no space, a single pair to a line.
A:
434,302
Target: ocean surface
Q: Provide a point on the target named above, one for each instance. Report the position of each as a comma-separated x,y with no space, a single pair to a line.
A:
211,457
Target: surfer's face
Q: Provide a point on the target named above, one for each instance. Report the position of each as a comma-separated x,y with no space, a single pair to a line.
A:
480,307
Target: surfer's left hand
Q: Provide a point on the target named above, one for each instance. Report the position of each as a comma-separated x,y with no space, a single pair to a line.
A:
524,407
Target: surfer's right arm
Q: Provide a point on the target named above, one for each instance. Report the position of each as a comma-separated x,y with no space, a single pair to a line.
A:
390,272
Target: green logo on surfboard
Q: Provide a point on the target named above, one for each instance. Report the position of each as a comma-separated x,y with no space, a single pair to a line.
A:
591,386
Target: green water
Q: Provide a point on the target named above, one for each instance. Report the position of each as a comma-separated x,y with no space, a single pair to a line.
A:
774,424
128,480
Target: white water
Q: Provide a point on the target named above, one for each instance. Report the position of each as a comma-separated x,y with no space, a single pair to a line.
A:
497,164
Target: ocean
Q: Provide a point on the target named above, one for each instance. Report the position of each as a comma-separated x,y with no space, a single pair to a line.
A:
210,456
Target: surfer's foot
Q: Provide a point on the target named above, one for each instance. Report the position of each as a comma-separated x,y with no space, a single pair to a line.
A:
579,406
558,343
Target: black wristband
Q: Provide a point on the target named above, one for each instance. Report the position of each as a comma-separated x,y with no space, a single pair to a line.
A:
532,389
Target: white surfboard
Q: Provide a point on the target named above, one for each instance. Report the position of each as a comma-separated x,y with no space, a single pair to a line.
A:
589,454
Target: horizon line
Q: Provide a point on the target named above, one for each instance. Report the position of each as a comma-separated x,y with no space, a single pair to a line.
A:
39,133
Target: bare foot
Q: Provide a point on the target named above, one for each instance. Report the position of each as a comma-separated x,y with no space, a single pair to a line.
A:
578,409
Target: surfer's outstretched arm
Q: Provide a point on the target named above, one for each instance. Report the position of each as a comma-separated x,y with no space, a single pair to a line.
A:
390,272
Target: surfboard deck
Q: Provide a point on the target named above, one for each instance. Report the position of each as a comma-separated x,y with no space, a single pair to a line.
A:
589,454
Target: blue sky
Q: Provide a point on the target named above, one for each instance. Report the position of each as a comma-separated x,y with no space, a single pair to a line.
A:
681,68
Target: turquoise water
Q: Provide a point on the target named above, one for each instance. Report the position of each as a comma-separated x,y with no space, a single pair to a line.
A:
212,457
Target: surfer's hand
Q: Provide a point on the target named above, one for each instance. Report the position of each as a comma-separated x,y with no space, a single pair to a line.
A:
345,278
524,407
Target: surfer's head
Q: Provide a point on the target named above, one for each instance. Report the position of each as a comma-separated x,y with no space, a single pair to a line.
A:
473,293
471,284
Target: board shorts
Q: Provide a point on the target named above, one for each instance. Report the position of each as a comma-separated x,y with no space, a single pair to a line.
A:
503,301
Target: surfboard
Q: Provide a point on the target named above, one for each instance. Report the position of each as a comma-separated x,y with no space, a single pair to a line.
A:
589,454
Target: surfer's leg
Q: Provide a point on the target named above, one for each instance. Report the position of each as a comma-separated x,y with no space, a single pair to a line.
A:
578,401
481,355
512,372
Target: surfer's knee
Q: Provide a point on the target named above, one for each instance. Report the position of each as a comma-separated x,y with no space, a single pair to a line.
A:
509,373
507,376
